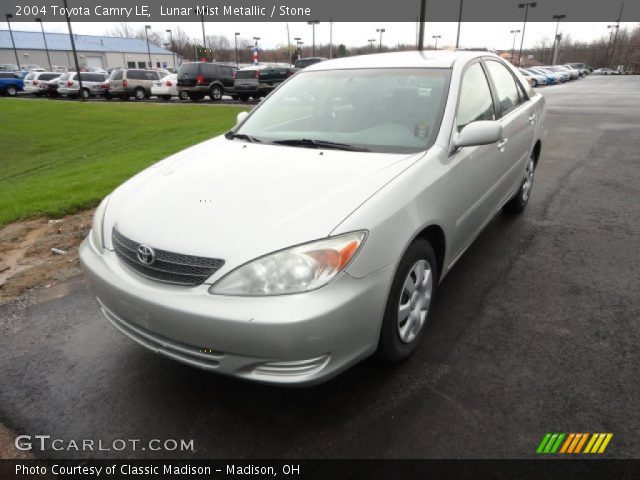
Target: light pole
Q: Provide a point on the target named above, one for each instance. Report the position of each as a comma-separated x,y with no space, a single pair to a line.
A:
611,29
146,34
556,44
422,17
298,46
313,41
615,37
371,42
46,47
330,40
459,22
436,37
513,47
9,17
75,52
173,53
381,31
204,37
235,38
524,25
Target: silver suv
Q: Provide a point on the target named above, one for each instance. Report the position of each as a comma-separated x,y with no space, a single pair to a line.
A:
69,85
134,82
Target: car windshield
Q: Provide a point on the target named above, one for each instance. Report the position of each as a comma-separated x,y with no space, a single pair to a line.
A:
381,110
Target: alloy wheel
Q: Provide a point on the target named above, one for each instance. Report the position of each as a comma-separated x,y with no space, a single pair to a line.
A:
528,179
415,300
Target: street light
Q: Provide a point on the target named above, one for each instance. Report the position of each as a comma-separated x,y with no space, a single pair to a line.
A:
381,31
313,44
436,37
556,42
173,53
371,42
46,47
612,28
235,38
146,34
524,25
9,17
513,47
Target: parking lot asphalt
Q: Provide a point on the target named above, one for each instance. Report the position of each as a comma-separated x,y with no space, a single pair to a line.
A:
535,330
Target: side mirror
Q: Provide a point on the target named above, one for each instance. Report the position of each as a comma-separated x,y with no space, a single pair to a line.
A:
241,116
482,132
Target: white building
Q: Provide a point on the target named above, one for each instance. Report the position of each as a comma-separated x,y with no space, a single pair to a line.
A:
93,51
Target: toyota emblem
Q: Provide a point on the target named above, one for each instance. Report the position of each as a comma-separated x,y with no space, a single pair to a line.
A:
146,254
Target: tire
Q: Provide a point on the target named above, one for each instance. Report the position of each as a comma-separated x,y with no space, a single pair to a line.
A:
11,90
401,332
165,97
86,94
183,96
139,94
215,93
519,201
535,83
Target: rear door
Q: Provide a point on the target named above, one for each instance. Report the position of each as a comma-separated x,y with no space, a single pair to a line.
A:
518,119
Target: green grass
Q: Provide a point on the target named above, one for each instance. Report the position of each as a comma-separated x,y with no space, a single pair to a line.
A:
58,157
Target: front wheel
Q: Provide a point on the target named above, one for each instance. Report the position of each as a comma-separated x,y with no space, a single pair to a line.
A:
215,93
521,198
12,91
139,94
85,94
183,96
409,304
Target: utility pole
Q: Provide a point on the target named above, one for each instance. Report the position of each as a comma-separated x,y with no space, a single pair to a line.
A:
423,14
330,40
615,37
173,53
235,38
381,31
524,25
288,43
313,44
15,52
556,44
146,33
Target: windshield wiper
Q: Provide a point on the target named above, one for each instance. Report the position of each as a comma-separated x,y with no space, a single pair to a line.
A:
241,136
309,143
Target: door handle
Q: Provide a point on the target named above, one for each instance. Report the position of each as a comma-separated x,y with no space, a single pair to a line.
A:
532,117
502,143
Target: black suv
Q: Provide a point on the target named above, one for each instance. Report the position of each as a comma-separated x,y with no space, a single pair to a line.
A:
259,80
199,79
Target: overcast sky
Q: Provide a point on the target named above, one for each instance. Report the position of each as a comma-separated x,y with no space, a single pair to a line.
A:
473,34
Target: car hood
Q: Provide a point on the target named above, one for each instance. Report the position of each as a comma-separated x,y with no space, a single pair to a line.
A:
236,201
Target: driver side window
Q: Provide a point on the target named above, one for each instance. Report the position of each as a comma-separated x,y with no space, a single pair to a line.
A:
475,101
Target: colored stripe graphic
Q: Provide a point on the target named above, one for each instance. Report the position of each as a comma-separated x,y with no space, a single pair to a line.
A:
573,443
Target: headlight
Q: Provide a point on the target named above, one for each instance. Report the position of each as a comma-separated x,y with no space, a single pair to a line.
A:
97,236
294,270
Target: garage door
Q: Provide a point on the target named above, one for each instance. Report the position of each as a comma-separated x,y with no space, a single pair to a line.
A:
94,62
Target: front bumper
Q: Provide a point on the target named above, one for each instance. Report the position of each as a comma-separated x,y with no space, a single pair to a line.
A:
299,339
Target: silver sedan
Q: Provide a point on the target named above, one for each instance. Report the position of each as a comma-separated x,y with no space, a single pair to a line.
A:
315,232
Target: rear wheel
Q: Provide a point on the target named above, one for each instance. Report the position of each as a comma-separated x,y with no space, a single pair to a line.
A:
521,198
11,90
409,303
85,93
215,93
139,94
183,96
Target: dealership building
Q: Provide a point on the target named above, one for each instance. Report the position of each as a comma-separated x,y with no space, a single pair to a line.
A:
93,51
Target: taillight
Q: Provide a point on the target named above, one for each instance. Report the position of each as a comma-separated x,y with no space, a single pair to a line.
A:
104,85
124,83
200,79
70,83
35,82
168,84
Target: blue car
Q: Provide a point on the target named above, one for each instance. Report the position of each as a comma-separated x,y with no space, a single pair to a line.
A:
10,83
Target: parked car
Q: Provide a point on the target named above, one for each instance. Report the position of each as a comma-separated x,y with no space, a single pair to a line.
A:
96,70
9,67
199,79
566,76
574,74
167,87
68,84
534,78
259,80
132,82
605,71
583,68
33,81
559,76
50,87
32,67
10,83
552,78
305,62
331,216
59,68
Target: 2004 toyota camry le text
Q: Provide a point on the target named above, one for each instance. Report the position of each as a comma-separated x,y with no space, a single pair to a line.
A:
316,231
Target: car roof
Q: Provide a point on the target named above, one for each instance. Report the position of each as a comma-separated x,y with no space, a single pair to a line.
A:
412,59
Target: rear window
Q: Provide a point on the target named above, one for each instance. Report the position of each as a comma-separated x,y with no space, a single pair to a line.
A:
135,74
7,75
49,76
246,74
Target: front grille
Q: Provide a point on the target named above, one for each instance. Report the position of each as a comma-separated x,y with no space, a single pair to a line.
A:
167,267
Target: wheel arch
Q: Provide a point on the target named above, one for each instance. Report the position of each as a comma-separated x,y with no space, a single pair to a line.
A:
435,235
